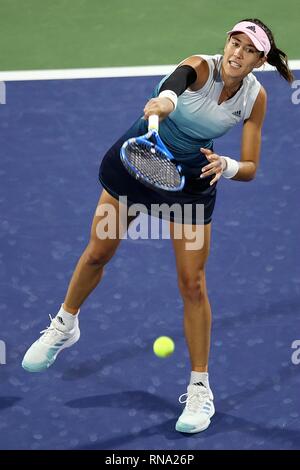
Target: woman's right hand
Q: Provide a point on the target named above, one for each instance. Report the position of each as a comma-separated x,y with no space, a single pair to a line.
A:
160,106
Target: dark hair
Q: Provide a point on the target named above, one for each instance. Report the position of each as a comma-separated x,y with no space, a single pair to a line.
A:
275,57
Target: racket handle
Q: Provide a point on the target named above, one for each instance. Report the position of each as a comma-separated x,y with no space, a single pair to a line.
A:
153,122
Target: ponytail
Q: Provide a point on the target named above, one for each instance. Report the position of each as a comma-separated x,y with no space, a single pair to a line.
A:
275,57
279,59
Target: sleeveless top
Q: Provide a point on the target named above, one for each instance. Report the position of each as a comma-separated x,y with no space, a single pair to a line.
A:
198,118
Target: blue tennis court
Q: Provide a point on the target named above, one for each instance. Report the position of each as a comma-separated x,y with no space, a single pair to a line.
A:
109,391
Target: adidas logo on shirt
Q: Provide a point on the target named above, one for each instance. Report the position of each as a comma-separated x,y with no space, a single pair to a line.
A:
237,113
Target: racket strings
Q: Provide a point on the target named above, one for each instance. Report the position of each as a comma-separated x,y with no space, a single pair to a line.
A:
153,165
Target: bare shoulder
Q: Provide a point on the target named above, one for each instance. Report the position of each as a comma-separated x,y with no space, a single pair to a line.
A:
194,61
202,69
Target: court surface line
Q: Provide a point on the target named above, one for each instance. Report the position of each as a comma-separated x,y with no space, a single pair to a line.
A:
105,72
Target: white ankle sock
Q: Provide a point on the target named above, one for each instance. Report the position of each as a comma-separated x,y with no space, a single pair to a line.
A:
199,377
66,319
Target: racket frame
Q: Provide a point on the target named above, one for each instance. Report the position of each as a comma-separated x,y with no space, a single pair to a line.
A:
145,140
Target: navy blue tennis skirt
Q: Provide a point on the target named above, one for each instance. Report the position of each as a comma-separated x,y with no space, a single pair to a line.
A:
195,203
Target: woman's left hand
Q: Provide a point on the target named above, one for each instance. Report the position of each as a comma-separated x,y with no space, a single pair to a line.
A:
215,167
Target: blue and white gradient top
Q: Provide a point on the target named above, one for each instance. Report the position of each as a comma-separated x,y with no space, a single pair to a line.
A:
198,118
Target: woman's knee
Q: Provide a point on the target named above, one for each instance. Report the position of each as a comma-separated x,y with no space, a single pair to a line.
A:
97,254
192,286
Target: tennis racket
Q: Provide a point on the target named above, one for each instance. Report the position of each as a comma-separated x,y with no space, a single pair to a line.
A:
149,161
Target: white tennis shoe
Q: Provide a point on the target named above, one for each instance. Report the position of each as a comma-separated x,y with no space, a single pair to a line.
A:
198,410
56,337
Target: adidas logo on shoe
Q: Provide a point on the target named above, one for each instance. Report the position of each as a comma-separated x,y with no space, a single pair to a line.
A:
43,352
198,411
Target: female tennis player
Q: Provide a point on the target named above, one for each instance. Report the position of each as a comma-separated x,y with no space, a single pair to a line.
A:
201,100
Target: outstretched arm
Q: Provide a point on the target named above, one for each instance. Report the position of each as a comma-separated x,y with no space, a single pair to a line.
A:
192,73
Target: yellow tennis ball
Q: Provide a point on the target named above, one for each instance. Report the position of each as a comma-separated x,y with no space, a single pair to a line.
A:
163,346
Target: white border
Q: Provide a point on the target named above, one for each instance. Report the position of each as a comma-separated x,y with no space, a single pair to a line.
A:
103,72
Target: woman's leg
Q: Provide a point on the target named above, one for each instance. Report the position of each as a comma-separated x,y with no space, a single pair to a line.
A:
199,406
192,284
64,330
89,269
